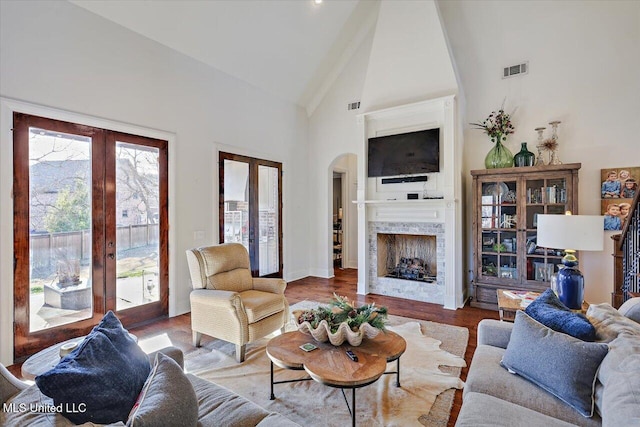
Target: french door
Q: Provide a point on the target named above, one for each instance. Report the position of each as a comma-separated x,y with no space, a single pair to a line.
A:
251,210
90,229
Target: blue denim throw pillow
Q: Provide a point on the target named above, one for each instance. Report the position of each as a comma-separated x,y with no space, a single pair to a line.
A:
560,364
100,380
551,312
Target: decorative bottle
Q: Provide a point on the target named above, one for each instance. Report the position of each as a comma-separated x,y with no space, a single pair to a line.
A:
524,157
499,156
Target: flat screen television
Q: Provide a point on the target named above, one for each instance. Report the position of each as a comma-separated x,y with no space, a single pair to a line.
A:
405,153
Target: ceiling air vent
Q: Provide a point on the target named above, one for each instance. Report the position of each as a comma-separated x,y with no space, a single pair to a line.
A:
515,70
353,105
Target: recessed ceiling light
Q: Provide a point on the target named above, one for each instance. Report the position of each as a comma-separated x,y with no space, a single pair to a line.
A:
317,1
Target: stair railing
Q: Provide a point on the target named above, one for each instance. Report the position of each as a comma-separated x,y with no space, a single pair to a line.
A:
630,250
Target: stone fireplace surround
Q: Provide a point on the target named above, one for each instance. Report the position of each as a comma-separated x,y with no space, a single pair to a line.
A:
420,291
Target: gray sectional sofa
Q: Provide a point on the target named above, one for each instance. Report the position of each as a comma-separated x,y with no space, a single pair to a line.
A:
495,397
217,406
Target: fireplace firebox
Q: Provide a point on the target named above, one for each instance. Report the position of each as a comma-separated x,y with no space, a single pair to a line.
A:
408,257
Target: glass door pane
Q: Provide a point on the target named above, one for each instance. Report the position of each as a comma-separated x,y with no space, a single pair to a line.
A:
137,213
543,196
236,202
498,218
250,210
60,273
268,188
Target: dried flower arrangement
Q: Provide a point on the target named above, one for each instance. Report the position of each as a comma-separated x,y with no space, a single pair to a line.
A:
498,125
550,144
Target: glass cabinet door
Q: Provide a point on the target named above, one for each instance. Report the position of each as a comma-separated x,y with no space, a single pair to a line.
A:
498,238
548,195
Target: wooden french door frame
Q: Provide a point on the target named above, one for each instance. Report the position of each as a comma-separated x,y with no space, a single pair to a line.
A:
254,247
160,308
103,267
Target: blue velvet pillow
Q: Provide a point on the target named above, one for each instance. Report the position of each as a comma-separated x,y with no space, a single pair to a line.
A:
100,380
560,364
551,312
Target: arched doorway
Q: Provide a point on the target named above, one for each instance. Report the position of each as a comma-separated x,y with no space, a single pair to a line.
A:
342,218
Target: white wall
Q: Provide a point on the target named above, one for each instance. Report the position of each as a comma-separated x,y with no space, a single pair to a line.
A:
58,55
333,132
583,59
409,60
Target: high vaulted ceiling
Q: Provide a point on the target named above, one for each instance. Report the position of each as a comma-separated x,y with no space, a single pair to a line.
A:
289,48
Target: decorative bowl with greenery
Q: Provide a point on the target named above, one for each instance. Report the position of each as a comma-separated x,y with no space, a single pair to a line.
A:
342,320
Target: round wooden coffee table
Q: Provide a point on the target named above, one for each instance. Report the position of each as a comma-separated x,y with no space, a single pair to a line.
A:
48,358
44,360
330,365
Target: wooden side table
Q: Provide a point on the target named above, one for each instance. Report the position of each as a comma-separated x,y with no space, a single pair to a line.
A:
508,305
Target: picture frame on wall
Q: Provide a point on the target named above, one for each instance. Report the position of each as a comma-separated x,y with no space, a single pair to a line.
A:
618,187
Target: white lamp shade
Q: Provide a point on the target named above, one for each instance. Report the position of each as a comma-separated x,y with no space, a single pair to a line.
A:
577,232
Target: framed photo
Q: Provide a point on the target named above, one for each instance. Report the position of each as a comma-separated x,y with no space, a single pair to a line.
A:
488,241
617,190
543,272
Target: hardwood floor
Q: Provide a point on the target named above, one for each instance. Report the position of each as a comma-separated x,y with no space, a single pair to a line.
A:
178,329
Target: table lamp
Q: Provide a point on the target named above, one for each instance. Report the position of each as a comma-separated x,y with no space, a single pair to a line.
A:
571,233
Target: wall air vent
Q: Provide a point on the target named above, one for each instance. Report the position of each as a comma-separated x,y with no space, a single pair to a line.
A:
515,70
353,105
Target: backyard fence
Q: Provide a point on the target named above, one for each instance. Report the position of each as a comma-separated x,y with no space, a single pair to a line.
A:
48,249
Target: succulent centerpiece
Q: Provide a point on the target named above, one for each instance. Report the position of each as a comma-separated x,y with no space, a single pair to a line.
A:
341,321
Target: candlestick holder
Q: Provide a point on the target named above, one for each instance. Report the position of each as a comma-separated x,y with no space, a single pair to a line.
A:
553,156
539,158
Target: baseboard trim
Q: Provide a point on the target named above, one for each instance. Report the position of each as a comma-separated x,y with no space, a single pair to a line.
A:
296,275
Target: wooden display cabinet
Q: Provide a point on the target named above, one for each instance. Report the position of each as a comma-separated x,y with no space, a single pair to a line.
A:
506,203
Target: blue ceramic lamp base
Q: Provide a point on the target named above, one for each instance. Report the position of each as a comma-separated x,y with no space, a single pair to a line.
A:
570,282
570,287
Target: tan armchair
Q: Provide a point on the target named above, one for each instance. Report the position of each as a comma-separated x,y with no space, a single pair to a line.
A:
227,303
